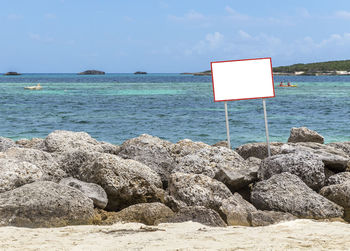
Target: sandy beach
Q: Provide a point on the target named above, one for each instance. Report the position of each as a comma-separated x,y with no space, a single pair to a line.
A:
294,235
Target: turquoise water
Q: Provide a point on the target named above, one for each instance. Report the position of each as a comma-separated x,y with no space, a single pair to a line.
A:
116,107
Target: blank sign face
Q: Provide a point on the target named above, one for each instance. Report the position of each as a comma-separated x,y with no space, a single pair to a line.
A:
242,79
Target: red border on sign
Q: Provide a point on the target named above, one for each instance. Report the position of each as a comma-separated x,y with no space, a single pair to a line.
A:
212,79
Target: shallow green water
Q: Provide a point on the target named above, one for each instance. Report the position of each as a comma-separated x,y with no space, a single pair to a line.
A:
116,107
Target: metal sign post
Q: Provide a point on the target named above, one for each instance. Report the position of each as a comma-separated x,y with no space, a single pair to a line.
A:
266,129
227,127
243,79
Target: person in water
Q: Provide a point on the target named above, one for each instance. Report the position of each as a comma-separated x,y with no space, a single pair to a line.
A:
288,84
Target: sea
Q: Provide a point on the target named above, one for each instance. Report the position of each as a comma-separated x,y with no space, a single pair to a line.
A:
117,107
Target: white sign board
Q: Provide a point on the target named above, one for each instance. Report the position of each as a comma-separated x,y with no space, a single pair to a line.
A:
242,79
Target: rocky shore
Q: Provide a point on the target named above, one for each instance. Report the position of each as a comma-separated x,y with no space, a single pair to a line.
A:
69,178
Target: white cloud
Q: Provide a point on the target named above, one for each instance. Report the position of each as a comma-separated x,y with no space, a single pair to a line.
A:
50,16
233,14
211,42
128,19
342,14
214,39
304,12
14,17
244,34
189,16
163,4
40,38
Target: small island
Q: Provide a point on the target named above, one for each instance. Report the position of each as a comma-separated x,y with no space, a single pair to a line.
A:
91,72
140,72
12,73
203,73
340,67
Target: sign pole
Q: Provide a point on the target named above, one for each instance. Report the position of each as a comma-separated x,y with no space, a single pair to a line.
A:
267,129
227,127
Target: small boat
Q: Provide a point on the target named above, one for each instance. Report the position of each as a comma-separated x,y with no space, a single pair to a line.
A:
286,85
35,87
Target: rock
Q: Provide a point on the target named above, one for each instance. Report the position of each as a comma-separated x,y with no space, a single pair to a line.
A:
288,193
265,218
126,182
200,214
15,173
219,163
43,160
258,150
59,142
339,194
44,204
304,134
110,148
91,72
174,204
35,143
146,213
91,190
343,146
237,178
308,168
334,159
198,190
62,141
201,190
76,162
140,72
151,151
338,178
222,143
328,173
12,73
236,210
6,143
253,161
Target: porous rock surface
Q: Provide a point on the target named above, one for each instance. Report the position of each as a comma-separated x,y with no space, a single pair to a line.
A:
34,143
126,182
198,190
288,193
201,190
343,146
339,194
258,150
15,173
334,159
43,160
91,190
308,168
304,134
76,162
200,214
6,143
146,213
236,210
338,178
219,163
62,141
44,204
151,151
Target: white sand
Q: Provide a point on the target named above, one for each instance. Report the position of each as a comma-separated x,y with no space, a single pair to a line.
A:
295,235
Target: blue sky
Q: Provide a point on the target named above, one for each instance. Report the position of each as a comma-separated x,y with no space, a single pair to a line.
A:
168,36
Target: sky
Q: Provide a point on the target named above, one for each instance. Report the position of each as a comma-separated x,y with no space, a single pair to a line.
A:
168,36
